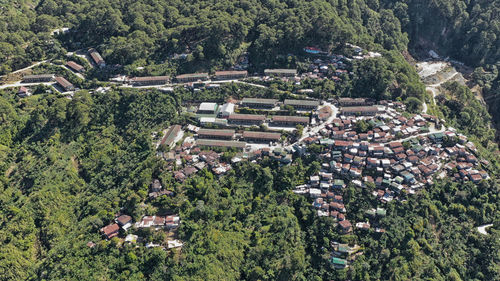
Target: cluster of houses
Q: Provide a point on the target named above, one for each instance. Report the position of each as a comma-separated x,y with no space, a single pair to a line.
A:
329,67
123,223
377,160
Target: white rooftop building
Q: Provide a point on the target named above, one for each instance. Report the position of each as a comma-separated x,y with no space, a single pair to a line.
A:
227,109
207,107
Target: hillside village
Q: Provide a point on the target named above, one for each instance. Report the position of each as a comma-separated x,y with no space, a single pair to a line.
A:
374,145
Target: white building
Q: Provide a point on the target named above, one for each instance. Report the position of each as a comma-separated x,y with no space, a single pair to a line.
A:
207,108
226,109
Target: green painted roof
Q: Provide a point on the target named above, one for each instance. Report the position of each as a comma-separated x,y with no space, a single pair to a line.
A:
339,261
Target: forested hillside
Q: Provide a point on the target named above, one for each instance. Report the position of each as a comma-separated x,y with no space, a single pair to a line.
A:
68,166
468,31
212,32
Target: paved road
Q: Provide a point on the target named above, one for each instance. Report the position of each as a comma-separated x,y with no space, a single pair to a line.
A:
315,130
26,68
19,84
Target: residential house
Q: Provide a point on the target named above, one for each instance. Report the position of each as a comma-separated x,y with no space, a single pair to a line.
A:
345,226
124,221
220,144
230,74
216,134
149,80
246,119
253,136
192,77
40,78
96,57
23,92
280,72
65,84
289,120
302,104
258,103
75,66
110,231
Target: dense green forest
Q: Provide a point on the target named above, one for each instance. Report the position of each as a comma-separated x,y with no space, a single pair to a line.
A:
214,33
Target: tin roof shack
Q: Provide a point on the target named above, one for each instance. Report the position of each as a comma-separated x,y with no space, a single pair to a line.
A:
289,120
215,134
75,66
96,57
252,136
258,103
110,231
302,104
149,80
65,84
192,77
230,74
280,72
246,119
359,111
171,135
38,78
220,144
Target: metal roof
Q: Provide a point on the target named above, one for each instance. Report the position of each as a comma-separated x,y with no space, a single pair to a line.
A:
219,133
238,144
259,101
302,102
261,135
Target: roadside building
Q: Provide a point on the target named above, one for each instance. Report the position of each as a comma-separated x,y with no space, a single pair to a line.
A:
246,119
38,78
192,77
258,103
96,57
215,134
230,74
221,144
149,80
23,92
207,108
65,84
252,136
280,72
278,120
75,66
302,104
359,111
